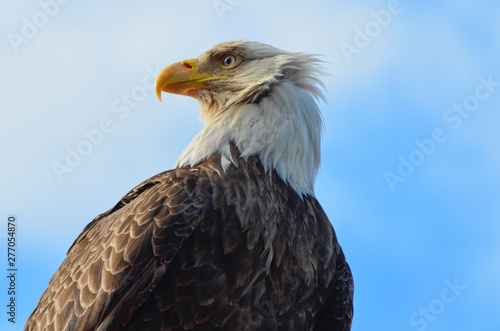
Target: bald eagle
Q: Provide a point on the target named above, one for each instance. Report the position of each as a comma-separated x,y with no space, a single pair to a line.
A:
233,238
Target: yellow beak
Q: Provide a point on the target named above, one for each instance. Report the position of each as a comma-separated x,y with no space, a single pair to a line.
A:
181,77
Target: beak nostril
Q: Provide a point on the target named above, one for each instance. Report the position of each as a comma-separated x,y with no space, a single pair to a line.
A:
187,66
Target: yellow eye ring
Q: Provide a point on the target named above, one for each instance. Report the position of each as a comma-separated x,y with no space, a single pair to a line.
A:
229,61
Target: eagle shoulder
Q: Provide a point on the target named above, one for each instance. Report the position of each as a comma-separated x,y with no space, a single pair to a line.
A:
120,255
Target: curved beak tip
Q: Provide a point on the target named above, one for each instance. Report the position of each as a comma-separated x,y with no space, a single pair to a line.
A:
158,92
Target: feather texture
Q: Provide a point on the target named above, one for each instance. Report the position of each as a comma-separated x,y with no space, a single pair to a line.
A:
197,250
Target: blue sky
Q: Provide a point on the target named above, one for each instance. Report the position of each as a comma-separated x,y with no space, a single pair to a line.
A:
424,246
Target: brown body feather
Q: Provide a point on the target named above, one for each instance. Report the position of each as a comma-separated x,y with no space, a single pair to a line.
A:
203,249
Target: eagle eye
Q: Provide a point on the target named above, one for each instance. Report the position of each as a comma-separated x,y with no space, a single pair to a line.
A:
229,61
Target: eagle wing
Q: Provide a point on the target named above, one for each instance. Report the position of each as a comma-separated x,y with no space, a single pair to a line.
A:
122,254
337,312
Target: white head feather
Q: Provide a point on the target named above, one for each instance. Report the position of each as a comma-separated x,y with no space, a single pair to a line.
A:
266,108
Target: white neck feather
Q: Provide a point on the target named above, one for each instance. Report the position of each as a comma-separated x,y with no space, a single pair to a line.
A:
283,129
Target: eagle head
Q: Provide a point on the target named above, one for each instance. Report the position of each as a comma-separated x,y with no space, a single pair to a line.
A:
259,98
